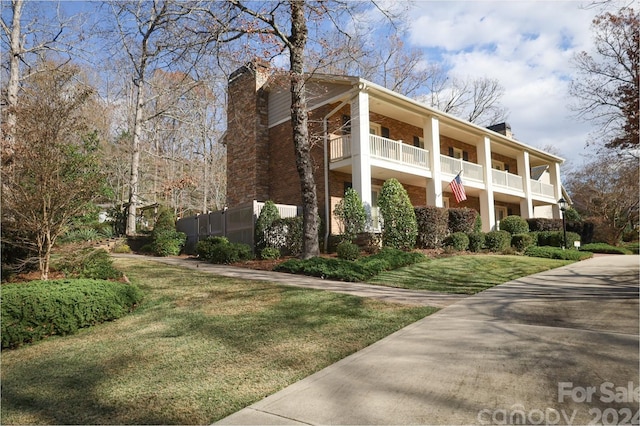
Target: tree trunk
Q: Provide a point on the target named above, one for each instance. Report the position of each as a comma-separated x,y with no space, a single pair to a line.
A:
299,120
14,78
135,160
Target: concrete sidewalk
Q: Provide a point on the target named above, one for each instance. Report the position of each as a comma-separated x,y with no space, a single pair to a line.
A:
551,348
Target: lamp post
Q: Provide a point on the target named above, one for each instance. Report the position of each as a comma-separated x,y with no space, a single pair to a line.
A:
563,207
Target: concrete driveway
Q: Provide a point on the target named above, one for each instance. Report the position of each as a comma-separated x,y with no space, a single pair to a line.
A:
559,347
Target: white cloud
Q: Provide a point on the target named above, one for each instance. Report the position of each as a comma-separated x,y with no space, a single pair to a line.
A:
527,46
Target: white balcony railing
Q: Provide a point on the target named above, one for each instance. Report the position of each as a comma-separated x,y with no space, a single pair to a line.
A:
470,171
340,147
544,189
396,151
506,179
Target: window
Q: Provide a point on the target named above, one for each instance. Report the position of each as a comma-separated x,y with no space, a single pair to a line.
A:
375,129
501,213
498,165
458,153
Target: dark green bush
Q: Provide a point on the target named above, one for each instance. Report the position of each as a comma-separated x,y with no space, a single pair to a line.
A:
459,241
557,253
268,215
497,241
168,242
34,310
544,224
165,239
476,241
348,251
634,248
351,213
270,253
462,220
604,248
514,225
344,270
521,241
286,234
399,229
88,263
432,226
556,238
220,250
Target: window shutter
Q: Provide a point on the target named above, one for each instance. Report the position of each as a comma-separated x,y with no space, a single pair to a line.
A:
346,124
416,141
385,132
347,185
465,155
506,167
450,151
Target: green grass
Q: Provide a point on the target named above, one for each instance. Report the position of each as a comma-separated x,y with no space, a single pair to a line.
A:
197,349
465,274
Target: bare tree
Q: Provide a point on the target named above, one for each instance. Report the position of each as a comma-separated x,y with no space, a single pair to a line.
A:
607,86
24,45
55,171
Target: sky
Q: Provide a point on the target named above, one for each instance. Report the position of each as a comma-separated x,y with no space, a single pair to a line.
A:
528,47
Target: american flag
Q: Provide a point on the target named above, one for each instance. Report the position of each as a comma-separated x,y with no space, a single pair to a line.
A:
458,189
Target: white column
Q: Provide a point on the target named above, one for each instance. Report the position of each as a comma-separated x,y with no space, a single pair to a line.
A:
431,135
487,208
361,164
554,175
526,204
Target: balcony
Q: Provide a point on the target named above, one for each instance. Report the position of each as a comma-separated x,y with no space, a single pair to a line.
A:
543,189
382,148
506,180
453,166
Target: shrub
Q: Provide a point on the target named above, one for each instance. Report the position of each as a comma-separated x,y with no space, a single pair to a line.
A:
359,270
351,213
400,228
514,225
543,224
220,250
476,241
268,215
81,234
556,238
497,241
168,243
165,239
270,253
89,263
286,234
462,220
459,241
121,248
604,248
348,251
557,253
521,241
38,309
432,225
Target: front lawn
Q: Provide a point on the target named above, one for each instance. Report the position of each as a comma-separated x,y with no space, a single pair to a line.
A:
197,349
465,274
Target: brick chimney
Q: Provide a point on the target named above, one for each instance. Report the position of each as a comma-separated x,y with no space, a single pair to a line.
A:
247,136
503,128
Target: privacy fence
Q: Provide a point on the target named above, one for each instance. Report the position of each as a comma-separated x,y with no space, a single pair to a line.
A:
237,224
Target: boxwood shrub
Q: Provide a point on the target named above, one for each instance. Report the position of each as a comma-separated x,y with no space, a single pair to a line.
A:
220,250
497,241
521,241
32,311
348,251
476,241
555,238
432,226
514,225
604,248
458,241
557,253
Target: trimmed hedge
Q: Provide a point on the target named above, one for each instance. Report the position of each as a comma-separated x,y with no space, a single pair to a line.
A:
521,241
557,253
459,241
556,238
32,311
497,241
344,270
220,250
433,223
462,220
514,225
476,241
348,251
